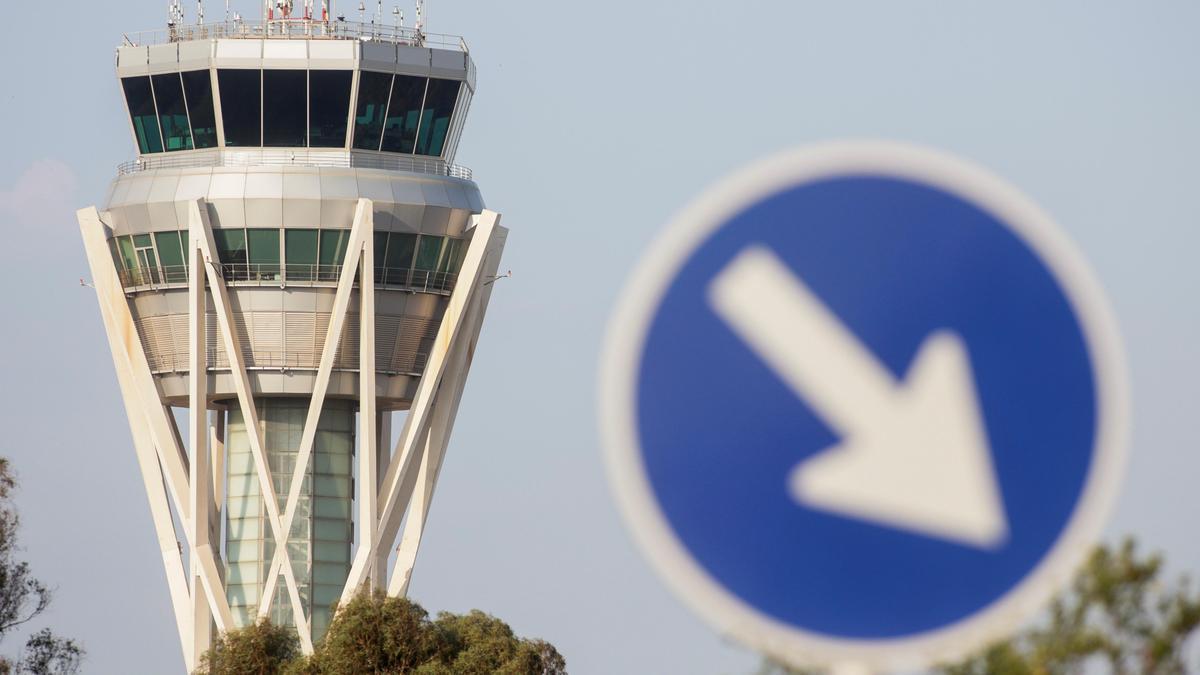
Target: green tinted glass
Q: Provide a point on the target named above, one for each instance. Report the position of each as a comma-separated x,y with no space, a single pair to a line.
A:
404,114
301,247
172,112
452,254
264,246
328,107
197,87
231,246
333,246
373,91
170,250
435,121
400,251
141,111
128,256
241,106
429,253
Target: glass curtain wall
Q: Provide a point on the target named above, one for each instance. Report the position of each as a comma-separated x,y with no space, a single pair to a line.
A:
424,262
171,111
271,108
319,542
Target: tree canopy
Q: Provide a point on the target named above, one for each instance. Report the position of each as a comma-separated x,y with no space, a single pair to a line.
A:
380,635
1117,617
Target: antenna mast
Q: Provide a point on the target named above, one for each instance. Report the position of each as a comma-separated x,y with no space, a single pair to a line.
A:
420,19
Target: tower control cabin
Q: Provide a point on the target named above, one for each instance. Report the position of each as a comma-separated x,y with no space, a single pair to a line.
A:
292,258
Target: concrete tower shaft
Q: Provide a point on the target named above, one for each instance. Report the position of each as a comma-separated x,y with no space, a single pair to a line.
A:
294,229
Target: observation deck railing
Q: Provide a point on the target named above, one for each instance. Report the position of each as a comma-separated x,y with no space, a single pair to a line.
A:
298,157
259,274
296,29
408,363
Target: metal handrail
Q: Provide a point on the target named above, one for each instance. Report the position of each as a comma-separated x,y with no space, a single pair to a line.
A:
176,276
299,157
412,364
292,29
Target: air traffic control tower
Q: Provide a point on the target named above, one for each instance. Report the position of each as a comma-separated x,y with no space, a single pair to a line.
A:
292,258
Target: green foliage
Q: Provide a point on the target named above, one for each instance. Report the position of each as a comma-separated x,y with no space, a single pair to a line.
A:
257,649
378,635
1116,613
23,598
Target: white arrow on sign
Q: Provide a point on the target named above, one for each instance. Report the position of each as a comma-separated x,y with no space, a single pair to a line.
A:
913,454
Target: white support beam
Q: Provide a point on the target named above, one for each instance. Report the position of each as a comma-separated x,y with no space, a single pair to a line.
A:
200,490
401,477
361,237
449,397
200,227
368,444
108,285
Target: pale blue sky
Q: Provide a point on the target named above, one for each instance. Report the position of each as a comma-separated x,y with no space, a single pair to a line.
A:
593,123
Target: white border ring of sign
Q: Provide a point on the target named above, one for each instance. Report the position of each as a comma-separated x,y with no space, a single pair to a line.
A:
643,294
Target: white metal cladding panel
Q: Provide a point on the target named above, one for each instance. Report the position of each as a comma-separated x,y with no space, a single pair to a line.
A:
379,56
285,54
290,339
264,199
334,54
239,53
227,197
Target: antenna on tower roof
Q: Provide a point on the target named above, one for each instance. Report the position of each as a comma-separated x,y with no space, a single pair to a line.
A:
420,19
176,10
226,11
200,12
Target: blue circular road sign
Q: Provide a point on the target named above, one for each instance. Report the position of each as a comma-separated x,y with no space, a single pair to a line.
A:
864,403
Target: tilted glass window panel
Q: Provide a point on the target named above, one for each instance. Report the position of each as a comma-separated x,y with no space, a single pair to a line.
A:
435,122
116,254
381,240
429,253
141,111
328,108
128,255
451,254
170,248
400,255
264,247
301,247
333,246
197,88
172,112
285,108
231,246
404,114
373,91
142,241
241,106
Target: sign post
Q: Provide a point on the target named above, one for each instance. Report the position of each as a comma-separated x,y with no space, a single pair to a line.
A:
864,404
